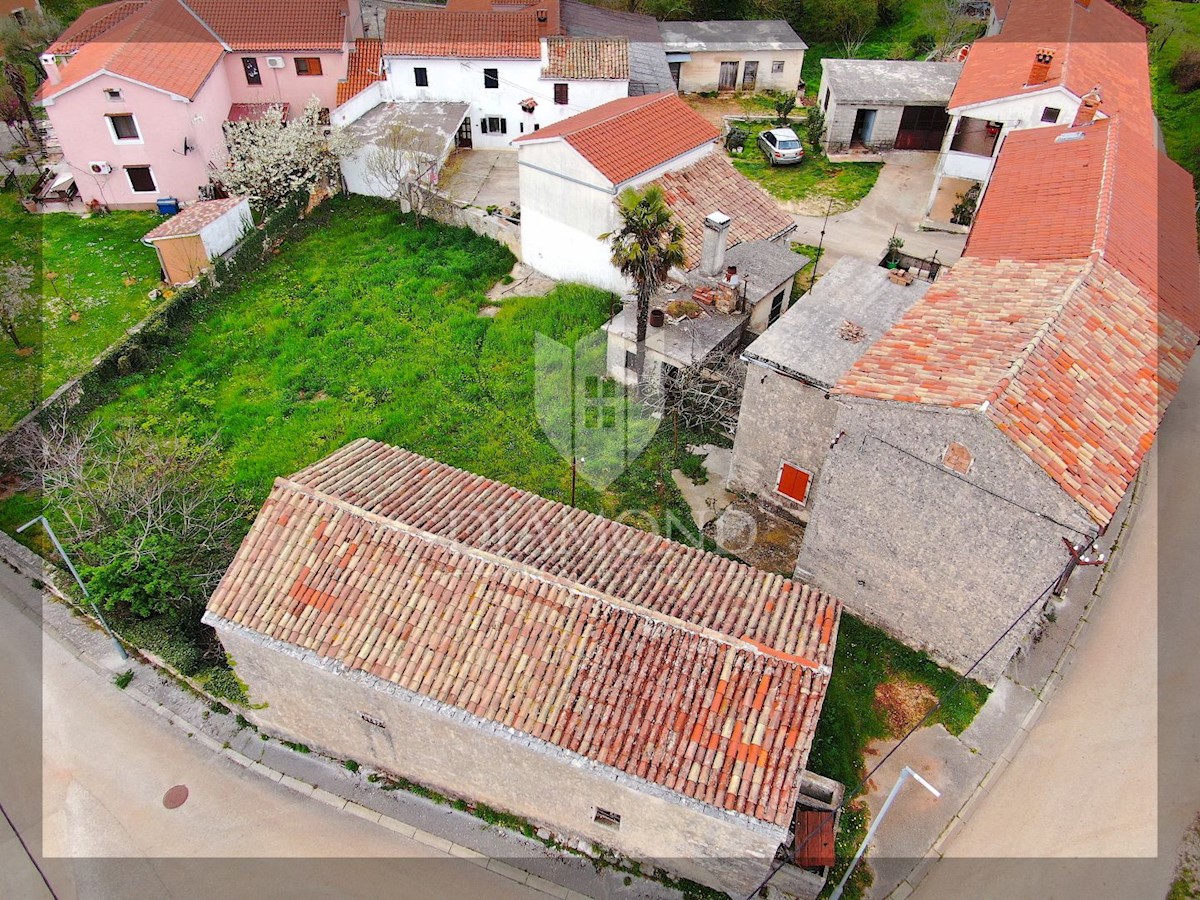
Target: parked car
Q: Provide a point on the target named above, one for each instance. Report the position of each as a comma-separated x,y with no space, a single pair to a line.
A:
781,146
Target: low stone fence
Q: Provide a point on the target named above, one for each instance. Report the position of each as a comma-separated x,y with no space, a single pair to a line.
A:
462,215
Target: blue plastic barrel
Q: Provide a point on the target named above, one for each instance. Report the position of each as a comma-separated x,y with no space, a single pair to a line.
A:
168,206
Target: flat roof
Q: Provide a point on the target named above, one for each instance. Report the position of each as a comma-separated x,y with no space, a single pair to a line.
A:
736,34
891,82
807,340
441,119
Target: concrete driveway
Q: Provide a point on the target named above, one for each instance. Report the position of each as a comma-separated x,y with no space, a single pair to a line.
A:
896,203
484,178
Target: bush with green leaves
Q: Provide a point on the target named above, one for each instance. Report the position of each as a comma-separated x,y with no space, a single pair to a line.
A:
1185,74
814,126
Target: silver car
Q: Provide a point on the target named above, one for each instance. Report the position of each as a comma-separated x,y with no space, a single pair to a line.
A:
781,146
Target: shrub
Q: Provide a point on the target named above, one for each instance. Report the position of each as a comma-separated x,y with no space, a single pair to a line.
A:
922,44
1185,74
122,680
964,210
351,765
815,126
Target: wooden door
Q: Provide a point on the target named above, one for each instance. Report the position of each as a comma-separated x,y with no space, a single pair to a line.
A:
729,72
749,75
463,139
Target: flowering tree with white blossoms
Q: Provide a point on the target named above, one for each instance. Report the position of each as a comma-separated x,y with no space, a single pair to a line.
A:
270,159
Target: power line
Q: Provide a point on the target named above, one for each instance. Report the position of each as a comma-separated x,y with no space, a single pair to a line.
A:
862,782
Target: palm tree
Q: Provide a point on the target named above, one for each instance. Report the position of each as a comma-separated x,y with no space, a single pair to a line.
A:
645,247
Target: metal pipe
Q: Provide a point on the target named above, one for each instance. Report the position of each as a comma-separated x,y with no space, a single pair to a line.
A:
79,581
905,774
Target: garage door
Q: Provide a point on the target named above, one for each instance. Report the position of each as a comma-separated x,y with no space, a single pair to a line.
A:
922,128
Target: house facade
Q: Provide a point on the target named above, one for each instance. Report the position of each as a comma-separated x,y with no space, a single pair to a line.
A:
138,92
1057,63
501,670
725,56
877,104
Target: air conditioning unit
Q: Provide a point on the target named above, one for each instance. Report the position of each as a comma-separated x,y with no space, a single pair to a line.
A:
100,168
274,62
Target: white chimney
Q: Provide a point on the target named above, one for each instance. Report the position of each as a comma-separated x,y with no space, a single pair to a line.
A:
50,65
716,237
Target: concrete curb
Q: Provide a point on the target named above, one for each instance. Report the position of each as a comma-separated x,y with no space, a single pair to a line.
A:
1048,689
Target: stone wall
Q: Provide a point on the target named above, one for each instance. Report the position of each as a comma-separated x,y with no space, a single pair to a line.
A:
942,560
840,125
322,705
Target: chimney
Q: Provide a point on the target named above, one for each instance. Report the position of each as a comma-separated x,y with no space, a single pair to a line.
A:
1084,3
1089,105
716,236
1041,66
50,65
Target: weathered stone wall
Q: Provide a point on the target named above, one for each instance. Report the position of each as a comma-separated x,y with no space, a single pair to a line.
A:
321,704
781,420
942,560
840,125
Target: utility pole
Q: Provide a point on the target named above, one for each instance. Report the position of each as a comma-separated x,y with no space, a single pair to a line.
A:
79,581
820,244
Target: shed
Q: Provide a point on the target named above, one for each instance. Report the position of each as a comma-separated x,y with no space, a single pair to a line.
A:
882,104
754,55
187,241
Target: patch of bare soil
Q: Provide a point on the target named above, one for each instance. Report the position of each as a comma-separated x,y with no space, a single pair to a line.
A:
816,205
904,703
776,538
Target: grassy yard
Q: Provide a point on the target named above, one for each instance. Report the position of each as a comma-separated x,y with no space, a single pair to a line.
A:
809,186
1176,28
97,276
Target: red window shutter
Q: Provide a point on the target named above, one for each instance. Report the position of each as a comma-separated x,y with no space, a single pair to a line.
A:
793,482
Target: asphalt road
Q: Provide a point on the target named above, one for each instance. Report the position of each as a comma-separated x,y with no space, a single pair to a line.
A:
86,793
1098,798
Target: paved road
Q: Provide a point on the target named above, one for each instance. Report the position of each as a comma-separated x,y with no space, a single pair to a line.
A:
108,762
1122,731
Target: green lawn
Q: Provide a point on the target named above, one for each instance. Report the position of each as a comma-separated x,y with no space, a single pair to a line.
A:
809,186
1176,27
97,279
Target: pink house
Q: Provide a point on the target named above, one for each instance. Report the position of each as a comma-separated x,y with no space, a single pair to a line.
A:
138,91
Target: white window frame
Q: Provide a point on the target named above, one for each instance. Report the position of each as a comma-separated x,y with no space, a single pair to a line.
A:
807,487
114,95
134,190
112,129
778,66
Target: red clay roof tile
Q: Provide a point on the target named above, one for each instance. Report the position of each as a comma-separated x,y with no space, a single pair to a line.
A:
471,35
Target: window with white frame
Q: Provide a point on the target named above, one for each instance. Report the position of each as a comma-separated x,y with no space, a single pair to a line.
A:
141,179
124,127
113,94
777,67
1050,115
493,125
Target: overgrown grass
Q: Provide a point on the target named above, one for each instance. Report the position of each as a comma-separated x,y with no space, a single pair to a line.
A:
1176,28
93,276
815,180
804,278
867,657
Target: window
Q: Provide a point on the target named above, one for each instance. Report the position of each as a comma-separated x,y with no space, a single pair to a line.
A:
421,76
769,138
777,67
560,94
794,482
606,817
123,126
491,78
141,181
630,359
308,65
113,94
1050,115
776,308
493,125
250,67
825,102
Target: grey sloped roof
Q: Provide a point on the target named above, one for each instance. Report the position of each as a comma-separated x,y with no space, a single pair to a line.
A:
806,342
750,34
890,82
765,264
648,70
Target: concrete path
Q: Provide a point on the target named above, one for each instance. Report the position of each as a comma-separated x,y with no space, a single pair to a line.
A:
484,178
897,202
1109,770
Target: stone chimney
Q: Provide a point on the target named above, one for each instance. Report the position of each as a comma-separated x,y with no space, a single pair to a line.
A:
1041,66
1089,105
716,238
50,64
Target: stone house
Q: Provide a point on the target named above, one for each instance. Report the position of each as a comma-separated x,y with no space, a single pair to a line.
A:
879,104
787,422
1056,62
749,55
138,93
599,681
990,435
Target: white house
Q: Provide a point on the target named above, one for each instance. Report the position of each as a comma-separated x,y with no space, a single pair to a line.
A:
1058,62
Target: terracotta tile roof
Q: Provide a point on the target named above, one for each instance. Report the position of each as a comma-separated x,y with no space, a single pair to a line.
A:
626,137
275,24
1097,46
587,58
193,218
714,184
1072,313
159,44
241,112
92,23
363,68
467,35
534,616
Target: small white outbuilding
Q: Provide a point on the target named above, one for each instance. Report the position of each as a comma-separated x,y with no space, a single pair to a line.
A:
188,241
